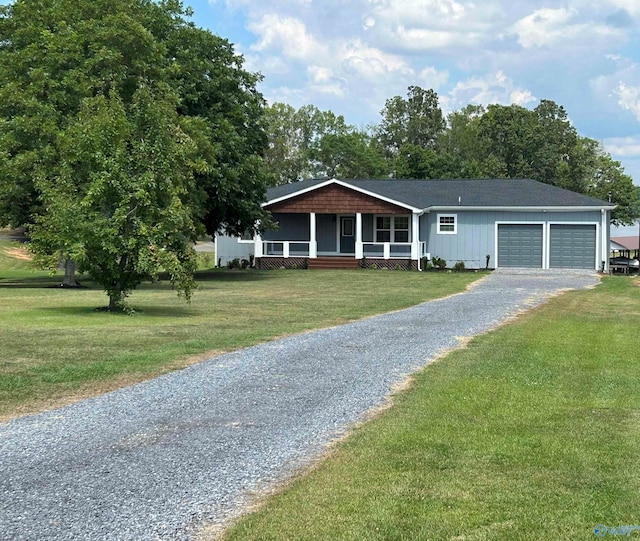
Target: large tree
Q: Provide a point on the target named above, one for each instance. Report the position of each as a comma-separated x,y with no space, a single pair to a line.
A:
605,179
416,120
66,67
510,141
308,142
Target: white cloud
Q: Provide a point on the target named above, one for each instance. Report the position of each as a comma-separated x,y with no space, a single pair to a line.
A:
430,77
358,58
625,147
632,7
619,89
547,27
627,151
629,98
287,35
424,25
493,88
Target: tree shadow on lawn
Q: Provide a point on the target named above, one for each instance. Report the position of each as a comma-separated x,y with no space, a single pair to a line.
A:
235,275
146,311
36,282
202,277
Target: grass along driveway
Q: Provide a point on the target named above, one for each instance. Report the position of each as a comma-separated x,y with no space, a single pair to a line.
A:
531,432
56,348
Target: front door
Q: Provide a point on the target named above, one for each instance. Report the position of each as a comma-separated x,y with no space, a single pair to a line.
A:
347,235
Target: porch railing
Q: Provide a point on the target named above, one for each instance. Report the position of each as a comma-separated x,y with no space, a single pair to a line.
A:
286,248
394,250
387,250
382,250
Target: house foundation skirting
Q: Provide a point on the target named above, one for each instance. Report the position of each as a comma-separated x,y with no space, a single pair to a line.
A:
389,264
268,263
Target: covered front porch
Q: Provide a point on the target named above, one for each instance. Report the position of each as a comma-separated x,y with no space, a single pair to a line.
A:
333,240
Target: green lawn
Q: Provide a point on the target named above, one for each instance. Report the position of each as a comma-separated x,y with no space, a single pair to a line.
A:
531,432
55,346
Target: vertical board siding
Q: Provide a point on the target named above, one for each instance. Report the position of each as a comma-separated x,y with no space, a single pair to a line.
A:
475,238
367,228
229,248
290,227
326,227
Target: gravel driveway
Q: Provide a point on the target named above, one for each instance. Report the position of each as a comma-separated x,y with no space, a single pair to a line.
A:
154,460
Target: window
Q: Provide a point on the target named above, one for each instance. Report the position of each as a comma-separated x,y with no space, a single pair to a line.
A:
392,228
401,228
447,224
347,227
383,229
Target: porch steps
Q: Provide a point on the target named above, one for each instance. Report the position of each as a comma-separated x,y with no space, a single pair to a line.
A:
333,263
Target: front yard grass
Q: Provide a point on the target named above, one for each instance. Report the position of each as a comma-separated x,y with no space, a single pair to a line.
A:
55,347
531,432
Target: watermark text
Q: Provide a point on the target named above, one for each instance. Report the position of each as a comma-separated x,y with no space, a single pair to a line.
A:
601,530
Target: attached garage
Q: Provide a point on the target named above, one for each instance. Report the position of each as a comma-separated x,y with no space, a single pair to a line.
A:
572,246
520,245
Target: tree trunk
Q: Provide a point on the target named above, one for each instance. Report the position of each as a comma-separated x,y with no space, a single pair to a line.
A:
69,273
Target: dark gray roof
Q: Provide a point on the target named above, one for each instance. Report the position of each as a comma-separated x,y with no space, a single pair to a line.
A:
423,194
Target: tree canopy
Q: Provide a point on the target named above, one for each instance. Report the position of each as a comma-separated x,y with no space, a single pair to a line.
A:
124,131
308,142
413,140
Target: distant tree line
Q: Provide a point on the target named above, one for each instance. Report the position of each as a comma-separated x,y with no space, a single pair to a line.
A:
414,140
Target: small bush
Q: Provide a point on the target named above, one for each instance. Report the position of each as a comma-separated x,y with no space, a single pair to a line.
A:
438,262
459,266
234,264
205,260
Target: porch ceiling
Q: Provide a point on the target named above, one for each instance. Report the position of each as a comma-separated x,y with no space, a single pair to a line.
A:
334,199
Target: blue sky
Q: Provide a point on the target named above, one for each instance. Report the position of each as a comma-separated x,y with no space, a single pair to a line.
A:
350,56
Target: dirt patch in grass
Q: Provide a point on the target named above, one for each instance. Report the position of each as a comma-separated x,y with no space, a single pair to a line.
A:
18,253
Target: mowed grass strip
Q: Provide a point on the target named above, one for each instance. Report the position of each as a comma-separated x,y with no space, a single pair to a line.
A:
55,347
531,432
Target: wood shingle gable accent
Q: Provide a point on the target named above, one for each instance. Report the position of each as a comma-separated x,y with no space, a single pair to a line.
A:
334,199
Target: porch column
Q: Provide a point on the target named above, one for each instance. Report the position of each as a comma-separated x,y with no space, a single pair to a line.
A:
257,245
359,247
415,236
313,242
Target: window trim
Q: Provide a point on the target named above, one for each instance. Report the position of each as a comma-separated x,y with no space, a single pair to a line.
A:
343,232
440,224
392,228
